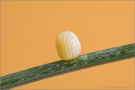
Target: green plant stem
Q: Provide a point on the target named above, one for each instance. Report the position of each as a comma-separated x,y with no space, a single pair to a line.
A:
61,67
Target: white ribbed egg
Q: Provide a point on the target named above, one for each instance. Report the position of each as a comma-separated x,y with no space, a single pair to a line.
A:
68,45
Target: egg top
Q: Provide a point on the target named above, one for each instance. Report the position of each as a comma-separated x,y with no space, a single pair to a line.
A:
68,45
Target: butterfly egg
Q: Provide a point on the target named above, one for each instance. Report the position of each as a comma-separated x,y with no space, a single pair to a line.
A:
68,45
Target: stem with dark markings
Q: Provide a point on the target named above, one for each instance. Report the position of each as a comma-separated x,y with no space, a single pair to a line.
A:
61,67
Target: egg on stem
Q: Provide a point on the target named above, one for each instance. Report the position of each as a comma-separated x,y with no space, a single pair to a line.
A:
68,45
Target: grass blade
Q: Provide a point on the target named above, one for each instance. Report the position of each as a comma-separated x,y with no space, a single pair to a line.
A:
61,67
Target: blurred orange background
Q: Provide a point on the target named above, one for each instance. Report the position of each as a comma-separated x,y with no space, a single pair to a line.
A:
29,30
